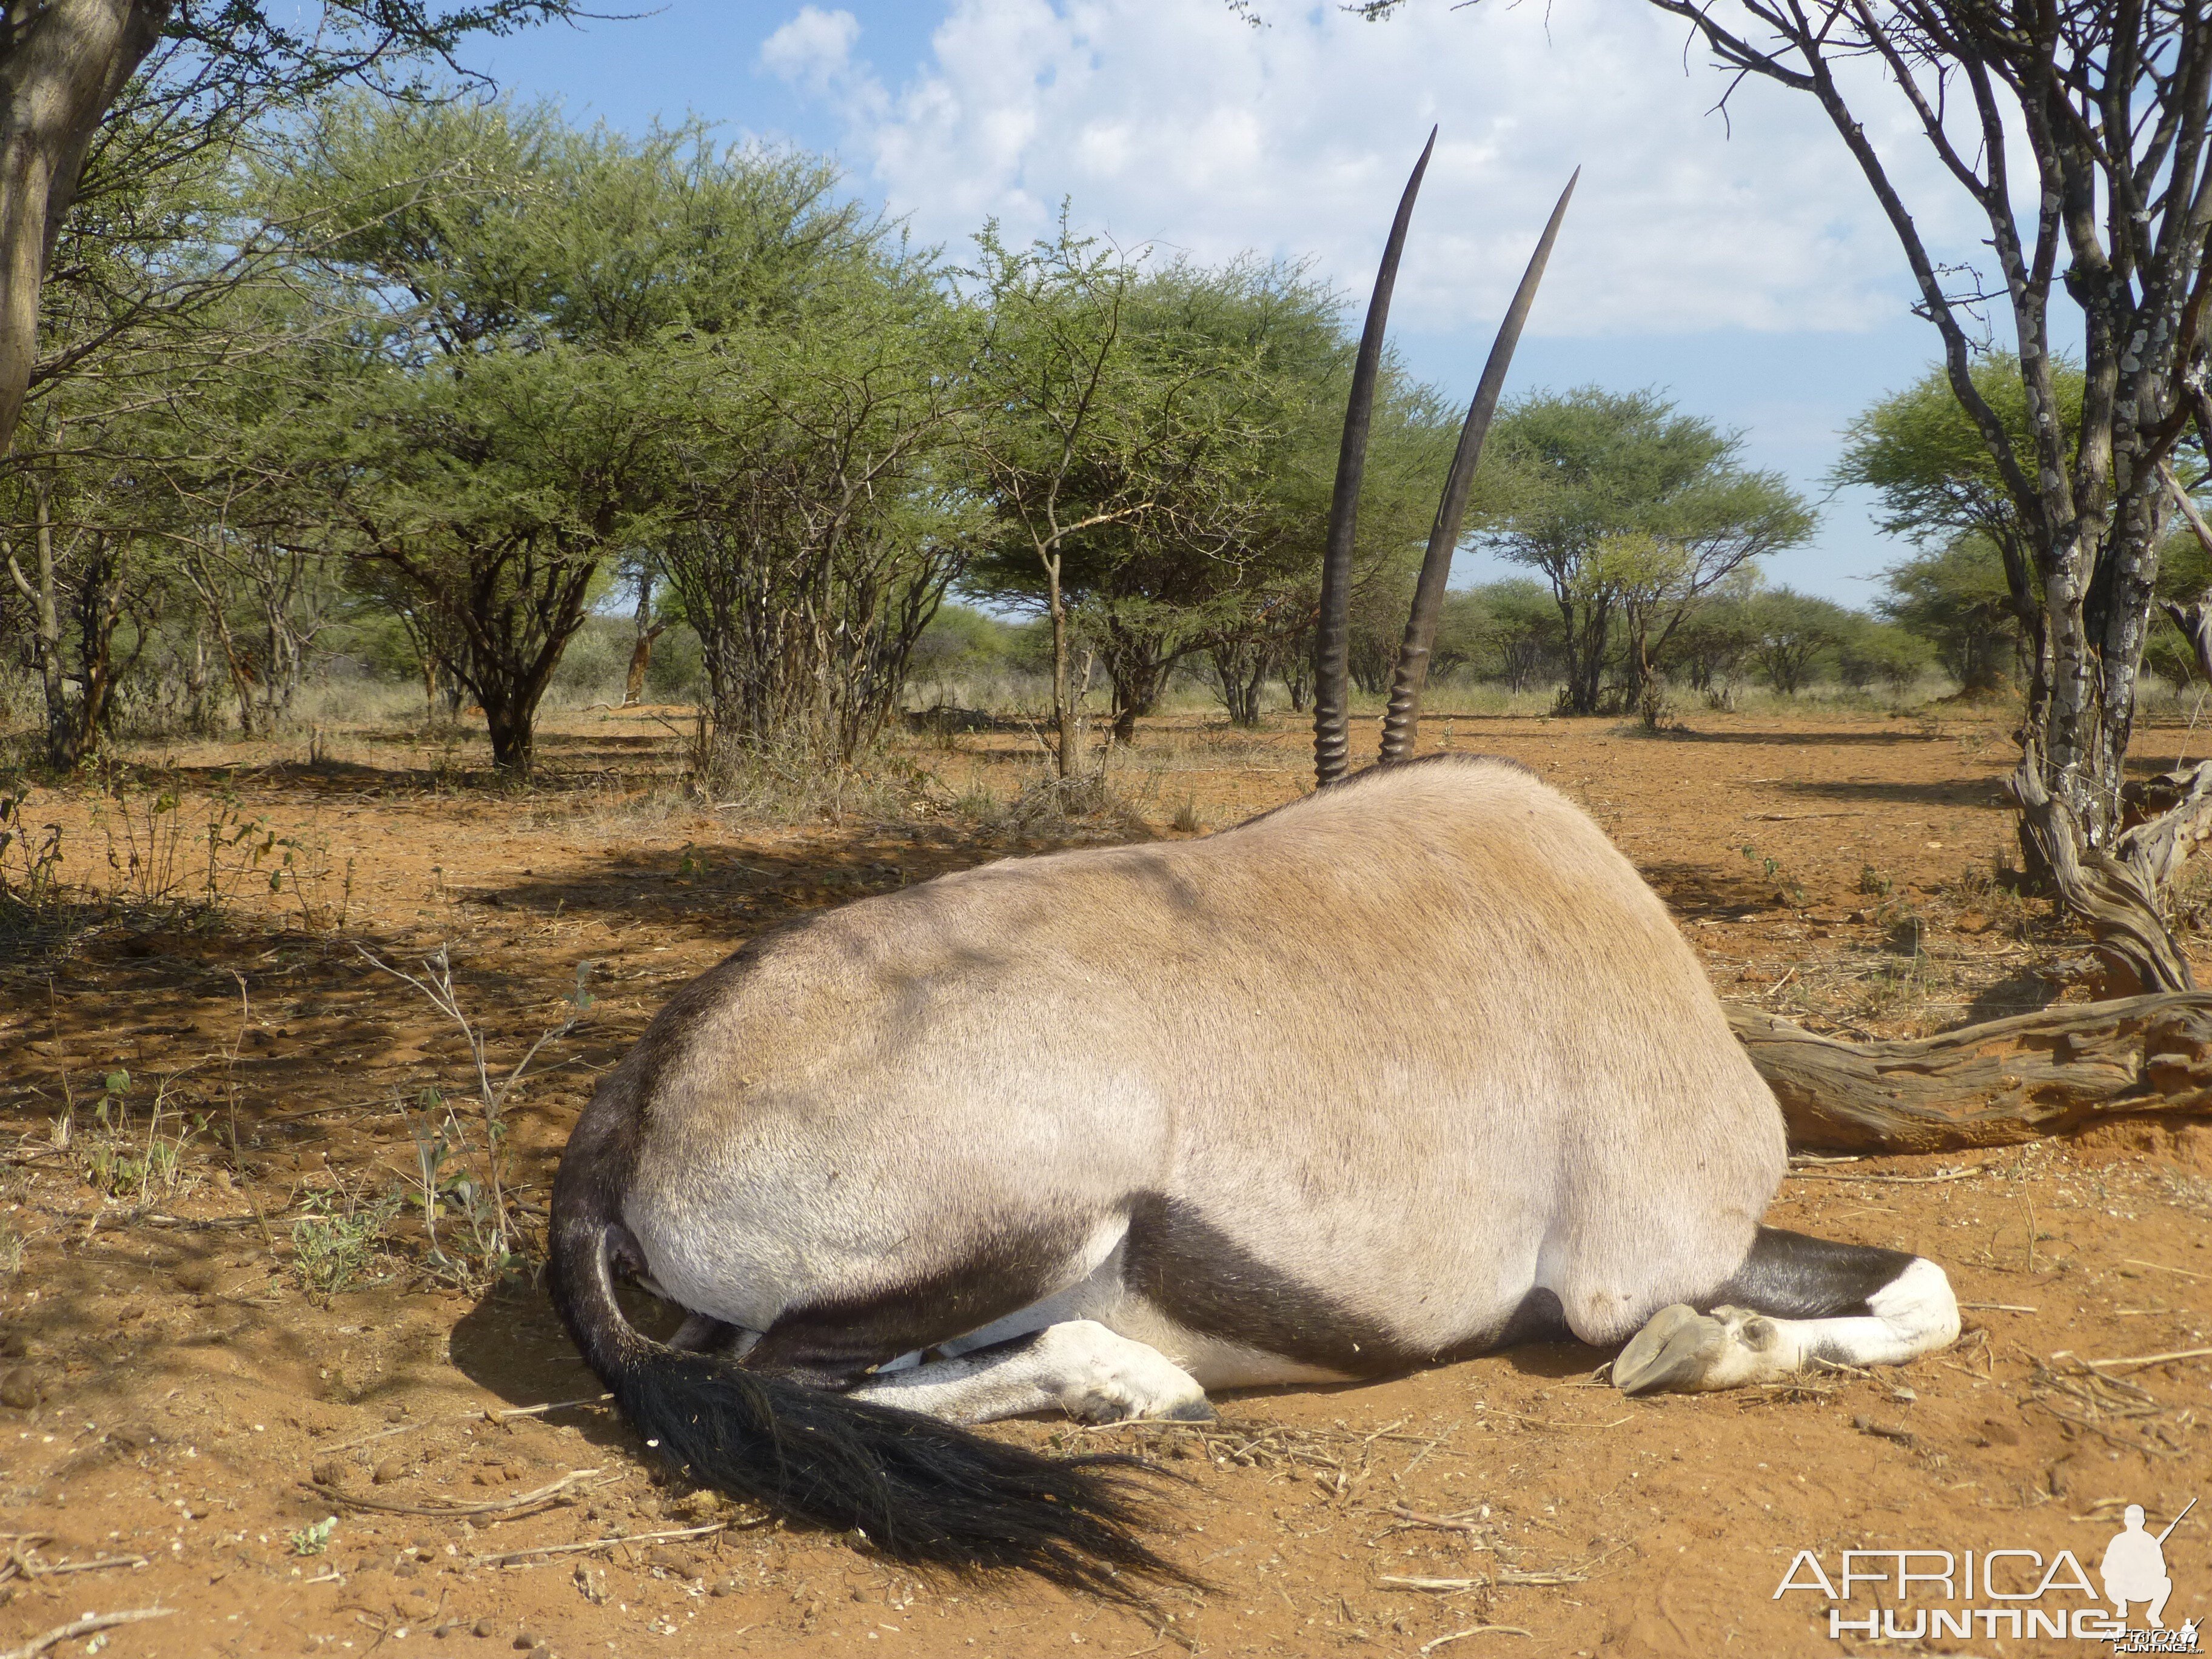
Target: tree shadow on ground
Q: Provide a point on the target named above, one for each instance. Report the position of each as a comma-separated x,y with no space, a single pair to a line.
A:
1822,739
1695,891
1974,793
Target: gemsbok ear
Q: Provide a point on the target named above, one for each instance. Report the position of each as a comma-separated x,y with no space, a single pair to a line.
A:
1401,723
1332,633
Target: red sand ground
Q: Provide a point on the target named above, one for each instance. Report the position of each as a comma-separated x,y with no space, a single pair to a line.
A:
168,1390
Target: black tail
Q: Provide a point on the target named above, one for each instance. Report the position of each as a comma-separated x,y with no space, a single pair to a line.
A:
922,1491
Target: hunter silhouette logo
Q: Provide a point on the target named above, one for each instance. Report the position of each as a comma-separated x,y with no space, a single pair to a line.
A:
2134,1567
1920,1593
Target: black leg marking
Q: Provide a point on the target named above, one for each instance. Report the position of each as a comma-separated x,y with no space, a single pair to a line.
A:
1203,1281
1791,1276
1539,1318
1206,1282
832,1344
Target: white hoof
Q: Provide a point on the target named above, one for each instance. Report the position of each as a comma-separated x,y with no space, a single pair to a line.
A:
1103,1377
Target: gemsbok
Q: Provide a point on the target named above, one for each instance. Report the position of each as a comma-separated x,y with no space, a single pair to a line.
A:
1410,1069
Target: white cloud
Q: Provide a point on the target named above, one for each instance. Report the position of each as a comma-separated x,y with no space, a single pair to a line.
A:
813,50
1168,121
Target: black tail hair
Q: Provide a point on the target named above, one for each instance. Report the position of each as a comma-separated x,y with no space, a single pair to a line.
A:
921,1490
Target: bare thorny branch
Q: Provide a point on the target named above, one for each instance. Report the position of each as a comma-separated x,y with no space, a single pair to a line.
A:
435,983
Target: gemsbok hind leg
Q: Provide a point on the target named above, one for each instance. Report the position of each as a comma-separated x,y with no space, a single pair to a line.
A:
1795,1301
1047,1357
1077,1366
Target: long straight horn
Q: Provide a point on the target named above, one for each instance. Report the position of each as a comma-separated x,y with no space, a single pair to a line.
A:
1403,720
1332,636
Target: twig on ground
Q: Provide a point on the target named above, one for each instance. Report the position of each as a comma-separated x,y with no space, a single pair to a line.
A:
93,1566
85,1626
1408,1519
503,1558
550,1405
1421,1457
520,1501
1474,1629
1439,1585
1884,1430
2135,1359
2160,1266
367,1439
1896,1180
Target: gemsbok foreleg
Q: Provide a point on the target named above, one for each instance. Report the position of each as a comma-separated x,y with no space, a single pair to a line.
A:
1794,1301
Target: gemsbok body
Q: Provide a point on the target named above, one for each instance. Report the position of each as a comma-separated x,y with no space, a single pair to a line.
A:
1412,1068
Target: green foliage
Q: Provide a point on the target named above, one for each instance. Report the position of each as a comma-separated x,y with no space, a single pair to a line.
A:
1200,455
961,642
1633,512
1924,458
1507,630
452,1185
1872,653
30,860
1712,641
336,1243
1795,632
579,344
314,1538
1956,598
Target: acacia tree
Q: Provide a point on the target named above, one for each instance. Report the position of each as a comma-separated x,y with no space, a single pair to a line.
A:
2080,133
819,512
1633,514
1241,371
1957,598
1094,439
1790,632
491,442
72,539
1922,454
175,78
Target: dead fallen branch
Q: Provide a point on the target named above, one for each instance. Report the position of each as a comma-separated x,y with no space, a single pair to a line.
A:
2136,1362
1472,1630
1892,1179
1409,1520
508,1558
91,1623
544,1494
1992,1085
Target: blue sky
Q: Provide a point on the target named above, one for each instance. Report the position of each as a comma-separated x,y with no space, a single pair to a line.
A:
1740,264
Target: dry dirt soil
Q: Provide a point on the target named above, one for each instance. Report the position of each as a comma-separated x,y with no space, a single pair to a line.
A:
199,1107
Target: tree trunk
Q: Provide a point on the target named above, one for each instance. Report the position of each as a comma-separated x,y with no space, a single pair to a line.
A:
1240,676
641,659
1585,656
1063,705
1135,672
45,620
1993,1084
641,650
100,599
2117,895
62,63
509,721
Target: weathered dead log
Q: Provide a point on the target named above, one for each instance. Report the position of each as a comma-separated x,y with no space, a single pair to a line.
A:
2117,897
1993,1084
